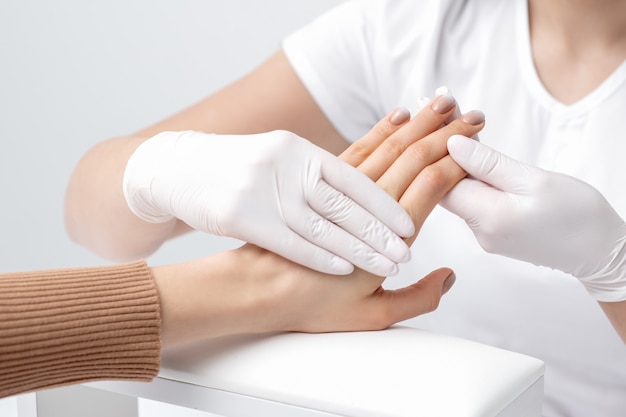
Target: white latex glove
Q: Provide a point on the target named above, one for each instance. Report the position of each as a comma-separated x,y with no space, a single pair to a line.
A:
543,217
276,190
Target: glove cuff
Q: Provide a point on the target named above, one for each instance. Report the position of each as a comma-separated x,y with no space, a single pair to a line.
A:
609,284
143,165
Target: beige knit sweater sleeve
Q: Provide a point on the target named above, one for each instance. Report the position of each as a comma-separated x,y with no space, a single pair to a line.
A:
70,326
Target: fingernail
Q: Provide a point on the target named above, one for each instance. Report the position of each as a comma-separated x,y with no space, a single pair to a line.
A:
474,117
443,103
399,116
448,283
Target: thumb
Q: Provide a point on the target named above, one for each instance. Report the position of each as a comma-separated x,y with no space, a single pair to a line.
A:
472,199
419,298
488,165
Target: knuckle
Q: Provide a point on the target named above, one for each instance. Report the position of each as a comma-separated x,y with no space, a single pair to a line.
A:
319,227
285,139
363,253
359,150
538,182
487,244
494,235
285,135
419,153
383,129
339,208
372,230
333,204
393,147
435,177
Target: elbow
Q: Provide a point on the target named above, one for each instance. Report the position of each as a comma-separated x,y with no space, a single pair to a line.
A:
96,215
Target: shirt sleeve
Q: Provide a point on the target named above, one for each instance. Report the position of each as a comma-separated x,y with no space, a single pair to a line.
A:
358,60
70,326
333,60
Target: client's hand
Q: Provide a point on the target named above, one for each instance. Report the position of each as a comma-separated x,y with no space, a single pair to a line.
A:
251,290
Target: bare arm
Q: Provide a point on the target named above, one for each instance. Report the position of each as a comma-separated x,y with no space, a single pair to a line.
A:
271,97
616,312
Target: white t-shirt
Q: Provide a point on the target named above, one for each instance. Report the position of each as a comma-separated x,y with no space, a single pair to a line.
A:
366,57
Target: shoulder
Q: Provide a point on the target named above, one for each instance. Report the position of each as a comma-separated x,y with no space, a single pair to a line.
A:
392,24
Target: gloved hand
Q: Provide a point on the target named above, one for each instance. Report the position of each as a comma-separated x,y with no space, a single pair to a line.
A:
276,190
543,217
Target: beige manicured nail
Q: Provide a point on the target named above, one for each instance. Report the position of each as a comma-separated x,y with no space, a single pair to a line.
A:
399,116
443,103
474,117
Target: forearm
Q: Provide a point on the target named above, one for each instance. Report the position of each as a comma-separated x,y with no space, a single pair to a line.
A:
270,98
96,213
616,312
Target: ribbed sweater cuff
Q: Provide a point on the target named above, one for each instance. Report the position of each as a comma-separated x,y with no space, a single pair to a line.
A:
70,326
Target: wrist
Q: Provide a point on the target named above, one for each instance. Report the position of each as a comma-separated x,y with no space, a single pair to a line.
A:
215,296
609,283
144,167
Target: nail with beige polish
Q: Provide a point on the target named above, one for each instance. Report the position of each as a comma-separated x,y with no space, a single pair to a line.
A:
474,117
399,116
443,103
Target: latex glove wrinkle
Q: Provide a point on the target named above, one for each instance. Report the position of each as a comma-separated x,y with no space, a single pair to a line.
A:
546,218
276,190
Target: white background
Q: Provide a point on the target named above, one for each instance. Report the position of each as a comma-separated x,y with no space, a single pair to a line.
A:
73,73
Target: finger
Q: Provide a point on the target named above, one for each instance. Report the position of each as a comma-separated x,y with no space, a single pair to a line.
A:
472,200
420,298
293,246
426,151
443,90
428,188
363,191
362,148
345,213
326,235
489,165
457,110
429,119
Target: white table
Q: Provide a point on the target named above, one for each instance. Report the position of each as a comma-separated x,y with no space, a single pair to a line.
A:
401,371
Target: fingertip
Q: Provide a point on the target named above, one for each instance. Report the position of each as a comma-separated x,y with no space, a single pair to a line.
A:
339,266
448,282
399,116
474,117
395,269
459,145
379,265
406,255
455,139
404,225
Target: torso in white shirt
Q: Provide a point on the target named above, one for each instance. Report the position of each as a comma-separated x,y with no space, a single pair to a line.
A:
367,57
